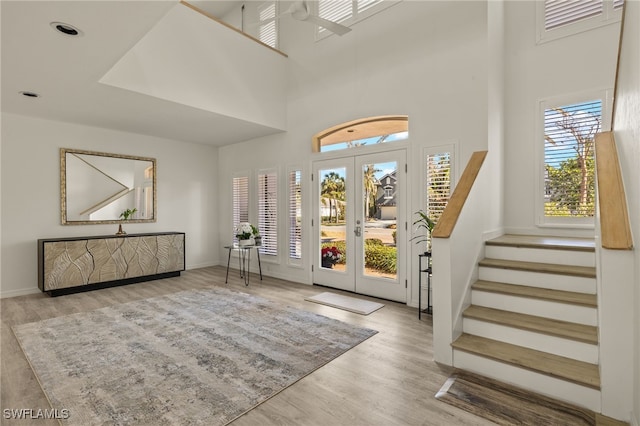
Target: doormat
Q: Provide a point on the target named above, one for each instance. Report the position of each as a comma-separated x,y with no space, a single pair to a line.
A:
509,405
351,304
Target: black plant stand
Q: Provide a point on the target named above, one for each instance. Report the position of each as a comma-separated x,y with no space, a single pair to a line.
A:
424,270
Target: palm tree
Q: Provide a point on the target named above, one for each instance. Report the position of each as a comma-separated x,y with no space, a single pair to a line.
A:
370,184
332,189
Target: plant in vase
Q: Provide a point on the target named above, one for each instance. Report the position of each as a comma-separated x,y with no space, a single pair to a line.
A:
246,234
330,256
125,215
424,221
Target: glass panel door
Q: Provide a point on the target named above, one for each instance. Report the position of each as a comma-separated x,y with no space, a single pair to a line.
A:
333,236
359,204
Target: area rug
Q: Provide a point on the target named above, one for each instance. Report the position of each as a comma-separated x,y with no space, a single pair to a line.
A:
504,404
194,357
351,304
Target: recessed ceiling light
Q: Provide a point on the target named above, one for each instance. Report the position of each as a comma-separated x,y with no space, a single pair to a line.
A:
29,94
66,29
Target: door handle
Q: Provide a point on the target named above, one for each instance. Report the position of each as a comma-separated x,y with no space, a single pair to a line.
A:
357,231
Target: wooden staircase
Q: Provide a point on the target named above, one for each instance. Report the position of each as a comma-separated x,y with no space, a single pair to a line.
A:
533,318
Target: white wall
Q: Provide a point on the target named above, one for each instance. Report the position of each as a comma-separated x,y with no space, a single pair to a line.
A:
627,133
569,65
187,195
424,59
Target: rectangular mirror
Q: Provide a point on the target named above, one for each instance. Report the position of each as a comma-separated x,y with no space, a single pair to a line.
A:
96,187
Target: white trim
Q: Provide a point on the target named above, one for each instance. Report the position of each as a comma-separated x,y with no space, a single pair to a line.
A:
19,292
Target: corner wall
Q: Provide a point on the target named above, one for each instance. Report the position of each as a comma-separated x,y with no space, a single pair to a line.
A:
626,129
30,170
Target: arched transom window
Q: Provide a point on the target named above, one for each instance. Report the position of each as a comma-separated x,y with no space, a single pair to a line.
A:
365,131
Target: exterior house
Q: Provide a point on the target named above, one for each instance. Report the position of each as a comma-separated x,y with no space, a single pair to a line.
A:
472,76
386,197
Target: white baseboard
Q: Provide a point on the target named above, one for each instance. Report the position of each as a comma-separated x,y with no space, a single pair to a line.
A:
19,292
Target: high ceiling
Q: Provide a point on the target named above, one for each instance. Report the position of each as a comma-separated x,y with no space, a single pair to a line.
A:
65,71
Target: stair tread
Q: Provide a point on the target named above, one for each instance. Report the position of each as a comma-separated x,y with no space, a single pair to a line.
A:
561,296
544,242
549,268
552,327
579,372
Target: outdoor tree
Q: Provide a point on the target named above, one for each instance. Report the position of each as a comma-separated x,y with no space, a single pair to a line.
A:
570,183
333,190
370,183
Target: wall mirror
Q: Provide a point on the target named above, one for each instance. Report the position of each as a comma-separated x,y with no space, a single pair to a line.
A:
96,187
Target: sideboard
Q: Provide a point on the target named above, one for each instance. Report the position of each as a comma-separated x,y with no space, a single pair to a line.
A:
68,265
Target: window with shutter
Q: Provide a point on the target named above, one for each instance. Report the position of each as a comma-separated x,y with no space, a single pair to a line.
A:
268,212
569,134
559,18
348,12
240,201
268,31
438,184
295,214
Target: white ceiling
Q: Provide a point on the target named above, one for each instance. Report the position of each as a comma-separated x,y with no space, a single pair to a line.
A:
65,70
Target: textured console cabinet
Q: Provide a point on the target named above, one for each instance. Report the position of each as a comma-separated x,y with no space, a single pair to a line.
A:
66,265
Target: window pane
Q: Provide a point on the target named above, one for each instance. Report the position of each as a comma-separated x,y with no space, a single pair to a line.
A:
333,209
268,212
240,201
438,185
267,33
569,133
335,10
295,214
563,12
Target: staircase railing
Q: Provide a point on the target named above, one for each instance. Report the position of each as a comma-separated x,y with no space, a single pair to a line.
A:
615,229
447,221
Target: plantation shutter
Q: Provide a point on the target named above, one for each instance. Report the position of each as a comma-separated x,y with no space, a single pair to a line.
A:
569,133
438,184
335,10
268,212
267,33
295,214
363,5
240,201
617,4
562,12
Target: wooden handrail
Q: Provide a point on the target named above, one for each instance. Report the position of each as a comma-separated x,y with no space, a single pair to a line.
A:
615,229
450,215
231,27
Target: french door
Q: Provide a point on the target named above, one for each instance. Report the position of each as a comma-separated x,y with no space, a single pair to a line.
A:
359,212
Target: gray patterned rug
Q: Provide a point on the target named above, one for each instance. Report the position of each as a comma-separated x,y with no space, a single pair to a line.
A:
194,357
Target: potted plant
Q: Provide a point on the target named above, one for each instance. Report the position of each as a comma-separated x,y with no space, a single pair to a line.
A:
246,234
330,256
425,222
125,215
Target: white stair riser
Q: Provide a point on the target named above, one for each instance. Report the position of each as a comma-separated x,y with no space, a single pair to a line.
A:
541,308
541,342
564,257
537,279
541,383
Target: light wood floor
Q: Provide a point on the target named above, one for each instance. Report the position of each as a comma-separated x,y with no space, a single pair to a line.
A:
390,379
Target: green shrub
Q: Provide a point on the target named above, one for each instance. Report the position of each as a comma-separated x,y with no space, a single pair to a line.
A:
373,242
381,258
